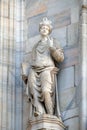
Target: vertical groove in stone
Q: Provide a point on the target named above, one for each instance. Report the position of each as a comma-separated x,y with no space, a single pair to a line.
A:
13,73
16,79
21,58
0,66
10,47
2,24
18,57
14,88
5,67
24,105
0,70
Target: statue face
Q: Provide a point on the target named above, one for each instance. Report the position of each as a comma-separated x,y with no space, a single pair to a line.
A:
44,30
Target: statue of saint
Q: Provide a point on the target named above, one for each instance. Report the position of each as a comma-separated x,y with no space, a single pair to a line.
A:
41,79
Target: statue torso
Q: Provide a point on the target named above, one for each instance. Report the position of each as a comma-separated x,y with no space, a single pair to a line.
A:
41,55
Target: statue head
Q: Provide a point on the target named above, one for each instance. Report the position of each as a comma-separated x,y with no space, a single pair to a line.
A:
45,27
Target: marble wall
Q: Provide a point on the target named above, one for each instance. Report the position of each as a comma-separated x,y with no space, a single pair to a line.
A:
65,17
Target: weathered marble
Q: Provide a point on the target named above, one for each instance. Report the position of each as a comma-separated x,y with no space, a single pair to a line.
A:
64,78
60,34
75,14
11,87
73,123
68,100
83,67
45,122
73,35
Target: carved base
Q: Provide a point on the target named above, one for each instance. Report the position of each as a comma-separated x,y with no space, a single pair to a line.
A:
45,122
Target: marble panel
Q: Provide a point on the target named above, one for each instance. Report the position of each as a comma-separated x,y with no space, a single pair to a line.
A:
67,99
66,78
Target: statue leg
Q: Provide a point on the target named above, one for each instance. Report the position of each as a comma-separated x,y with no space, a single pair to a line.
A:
48,102
46,84
34,93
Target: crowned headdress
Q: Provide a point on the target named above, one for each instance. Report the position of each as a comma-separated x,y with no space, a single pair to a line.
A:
46,22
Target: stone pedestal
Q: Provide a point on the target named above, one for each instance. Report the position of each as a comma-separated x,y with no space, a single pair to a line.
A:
45,122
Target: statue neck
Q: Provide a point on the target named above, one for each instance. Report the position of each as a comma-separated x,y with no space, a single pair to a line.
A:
44,38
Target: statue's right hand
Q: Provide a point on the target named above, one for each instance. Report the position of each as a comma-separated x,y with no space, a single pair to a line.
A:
25,78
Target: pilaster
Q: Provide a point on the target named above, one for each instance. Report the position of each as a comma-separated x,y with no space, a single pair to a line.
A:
83,62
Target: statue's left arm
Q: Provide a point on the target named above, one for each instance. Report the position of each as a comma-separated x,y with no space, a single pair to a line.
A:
57,52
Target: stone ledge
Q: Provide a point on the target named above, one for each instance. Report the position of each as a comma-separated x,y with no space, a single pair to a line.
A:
47,122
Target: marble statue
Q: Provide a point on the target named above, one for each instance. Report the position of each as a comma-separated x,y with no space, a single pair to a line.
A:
41,79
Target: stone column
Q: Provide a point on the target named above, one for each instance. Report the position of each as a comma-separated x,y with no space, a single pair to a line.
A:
83,49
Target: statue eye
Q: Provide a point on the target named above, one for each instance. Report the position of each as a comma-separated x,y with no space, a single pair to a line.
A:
44,28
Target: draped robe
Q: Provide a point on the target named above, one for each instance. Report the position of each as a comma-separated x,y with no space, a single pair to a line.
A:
42,76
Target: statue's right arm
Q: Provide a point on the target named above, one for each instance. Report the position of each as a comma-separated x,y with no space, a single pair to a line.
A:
25,72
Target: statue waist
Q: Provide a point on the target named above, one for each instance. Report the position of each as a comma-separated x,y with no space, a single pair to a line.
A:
44,68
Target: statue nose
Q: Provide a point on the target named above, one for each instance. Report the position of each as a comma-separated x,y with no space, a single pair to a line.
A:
43,31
